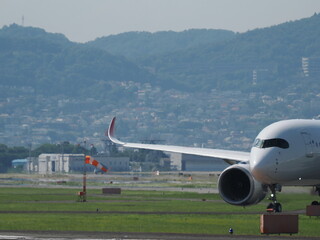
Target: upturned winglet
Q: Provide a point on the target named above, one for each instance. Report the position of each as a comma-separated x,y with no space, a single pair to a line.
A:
231,156
111,132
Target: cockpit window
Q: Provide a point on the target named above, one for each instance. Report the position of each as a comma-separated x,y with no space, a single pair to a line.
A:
274,142
258,143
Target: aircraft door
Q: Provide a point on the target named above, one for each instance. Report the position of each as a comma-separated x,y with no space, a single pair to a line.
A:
308,143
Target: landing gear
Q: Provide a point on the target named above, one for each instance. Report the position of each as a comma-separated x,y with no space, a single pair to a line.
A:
274,206
317,189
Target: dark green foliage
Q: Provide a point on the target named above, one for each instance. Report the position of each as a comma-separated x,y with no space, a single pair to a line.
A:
276,52
192,60
53,65
64,147
138,45
7,154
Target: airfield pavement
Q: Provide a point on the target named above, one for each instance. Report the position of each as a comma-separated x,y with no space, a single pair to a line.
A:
54,235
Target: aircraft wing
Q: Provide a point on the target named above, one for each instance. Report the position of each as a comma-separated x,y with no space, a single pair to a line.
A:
231,157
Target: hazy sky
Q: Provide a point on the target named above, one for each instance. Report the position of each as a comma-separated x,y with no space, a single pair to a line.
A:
85,20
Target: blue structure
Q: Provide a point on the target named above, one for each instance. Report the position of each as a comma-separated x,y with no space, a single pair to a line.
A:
19,162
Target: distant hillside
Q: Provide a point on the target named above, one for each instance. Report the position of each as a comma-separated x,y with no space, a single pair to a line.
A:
52,64
274,53
15,31
137,45
196,60
180,87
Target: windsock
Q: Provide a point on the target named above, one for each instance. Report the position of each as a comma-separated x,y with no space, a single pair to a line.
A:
90,160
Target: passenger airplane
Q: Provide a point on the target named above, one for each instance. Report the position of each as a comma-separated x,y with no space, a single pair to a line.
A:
285,153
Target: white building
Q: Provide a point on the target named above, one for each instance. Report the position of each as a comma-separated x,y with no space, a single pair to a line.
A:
32,165
60,163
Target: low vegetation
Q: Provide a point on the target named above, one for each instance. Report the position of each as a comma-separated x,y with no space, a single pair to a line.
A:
58,209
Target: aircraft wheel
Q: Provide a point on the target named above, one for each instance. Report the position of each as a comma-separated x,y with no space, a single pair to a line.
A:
274,207
270,207
277,207
315,203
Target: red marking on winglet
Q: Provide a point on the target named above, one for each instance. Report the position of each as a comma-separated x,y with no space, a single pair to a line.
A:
111,128
111,132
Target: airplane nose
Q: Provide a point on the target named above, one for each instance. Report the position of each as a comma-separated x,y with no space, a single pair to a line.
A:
260,167
258,170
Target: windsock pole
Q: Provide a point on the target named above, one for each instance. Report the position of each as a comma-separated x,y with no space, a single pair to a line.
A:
82,196
84,190
88,160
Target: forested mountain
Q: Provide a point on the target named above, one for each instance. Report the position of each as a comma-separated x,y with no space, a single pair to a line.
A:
275,53
190,60
50,63
137,45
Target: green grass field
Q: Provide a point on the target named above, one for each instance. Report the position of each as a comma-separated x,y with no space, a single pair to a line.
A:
138,211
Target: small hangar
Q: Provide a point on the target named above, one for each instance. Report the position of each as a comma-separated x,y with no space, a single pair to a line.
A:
60,163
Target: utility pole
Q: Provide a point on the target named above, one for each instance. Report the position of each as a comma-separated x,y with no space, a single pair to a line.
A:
83,195
84,189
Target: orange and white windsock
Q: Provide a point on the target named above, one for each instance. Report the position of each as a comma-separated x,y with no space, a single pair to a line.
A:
90,160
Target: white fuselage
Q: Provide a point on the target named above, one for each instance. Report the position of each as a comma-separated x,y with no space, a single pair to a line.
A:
287,153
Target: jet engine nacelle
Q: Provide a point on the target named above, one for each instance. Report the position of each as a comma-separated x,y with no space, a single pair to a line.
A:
238,187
